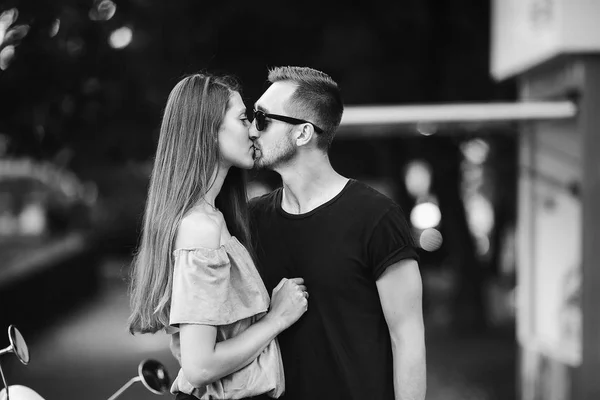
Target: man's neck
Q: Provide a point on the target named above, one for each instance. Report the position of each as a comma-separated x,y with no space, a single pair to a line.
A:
309,182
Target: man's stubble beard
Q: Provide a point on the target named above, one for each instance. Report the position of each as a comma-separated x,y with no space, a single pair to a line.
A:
283,155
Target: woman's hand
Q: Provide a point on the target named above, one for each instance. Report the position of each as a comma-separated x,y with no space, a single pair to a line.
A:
288,302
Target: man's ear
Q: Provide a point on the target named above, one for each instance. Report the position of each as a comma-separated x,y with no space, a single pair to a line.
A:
304,135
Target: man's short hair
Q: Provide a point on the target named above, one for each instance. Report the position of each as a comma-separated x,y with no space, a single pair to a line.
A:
317,99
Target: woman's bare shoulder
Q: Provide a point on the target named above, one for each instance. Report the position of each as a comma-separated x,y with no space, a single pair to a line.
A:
199,229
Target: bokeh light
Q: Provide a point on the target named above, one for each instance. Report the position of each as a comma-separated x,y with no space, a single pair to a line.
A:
418,178
426,128
14,35
6,56
120,38
475,151
7,18
430,239
103,10
425,215
480,214
55,27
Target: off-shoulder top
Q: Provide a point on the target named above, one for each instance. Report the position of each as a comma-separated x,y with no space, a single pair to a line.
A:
221,287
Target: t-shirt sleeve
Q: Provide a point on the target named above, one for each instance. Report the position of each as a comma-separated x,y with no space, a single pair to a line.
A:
391,241
200,288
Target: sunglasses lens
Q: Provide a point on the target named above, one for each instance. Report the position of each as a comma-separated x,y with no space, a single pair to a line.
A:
259,118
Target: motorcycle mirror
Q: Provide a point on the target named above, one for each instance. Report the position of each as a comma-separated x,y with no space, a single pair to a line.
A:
154,376
17,345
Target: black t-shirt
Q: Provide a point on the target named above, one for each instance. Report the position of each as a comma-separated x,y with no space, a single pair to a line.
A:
339,349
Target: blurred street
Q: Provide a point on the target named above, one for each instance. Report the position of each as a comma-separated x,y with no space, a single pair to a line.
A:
89,354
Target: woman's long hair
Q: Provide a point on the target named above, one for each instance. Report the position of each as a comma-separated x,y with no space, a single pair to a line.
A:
187,157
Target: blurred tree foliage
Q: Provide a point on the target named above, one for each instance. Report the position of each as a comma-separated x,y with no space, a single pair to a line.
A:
70,95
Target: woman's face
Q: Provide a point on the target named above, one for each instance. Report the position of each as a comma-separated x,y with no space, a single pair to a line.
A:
235,145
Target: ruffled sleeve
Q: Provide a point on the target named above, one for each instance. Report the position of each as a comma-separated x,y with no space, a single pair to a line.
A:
208,288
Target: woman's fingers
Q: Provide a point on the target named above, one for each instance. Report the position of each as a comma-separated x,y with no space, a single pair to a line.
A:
297,281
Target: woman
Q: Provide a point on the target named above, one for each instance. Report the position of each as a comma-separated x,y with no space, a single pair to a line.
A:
193,274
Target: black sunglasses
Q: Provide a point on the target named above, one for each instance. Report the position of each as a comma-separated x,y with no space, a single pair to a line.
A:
260,120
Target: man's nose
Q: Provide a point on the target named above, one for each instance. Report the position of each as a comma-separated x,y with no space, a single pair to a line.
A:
253,132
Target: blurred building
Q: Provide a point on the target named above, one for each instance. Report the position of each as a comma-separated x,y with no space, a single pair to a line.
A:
553,48
550,250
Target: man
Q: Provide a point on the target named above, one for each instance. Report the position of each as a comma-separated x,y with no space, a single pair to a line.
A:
362,336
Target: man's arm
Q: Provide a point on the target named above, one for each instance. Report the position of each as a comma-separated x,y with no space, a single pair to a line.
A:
400,291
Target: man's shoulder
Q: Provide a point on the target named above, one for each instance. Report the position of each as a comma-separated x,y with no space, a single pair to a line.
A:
370,198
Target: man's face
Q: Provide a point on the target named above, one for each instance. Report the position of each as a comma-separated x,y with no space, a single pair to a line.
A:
274,145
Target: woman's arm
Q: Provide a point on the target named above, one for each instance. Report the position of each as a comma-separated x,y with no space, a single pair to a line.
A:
203,359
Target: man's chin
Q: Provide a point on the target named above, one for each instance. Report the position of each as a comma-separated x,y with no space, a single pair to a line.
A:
259,164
